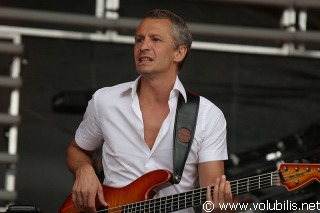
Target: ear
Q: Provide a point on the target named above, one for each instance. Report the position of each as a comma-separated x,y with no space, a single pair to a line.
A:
180,53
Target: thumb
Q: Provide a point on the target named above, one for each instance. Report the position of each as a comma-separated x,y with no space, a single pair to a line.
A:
101,198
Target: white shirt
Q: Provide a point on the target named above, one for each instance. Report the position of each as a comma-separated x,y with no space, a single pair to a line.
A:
113,119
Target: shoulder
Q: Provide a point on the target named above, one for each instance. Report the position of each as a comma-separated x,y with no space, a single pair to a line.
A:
113,95
113,90
206,106
210,115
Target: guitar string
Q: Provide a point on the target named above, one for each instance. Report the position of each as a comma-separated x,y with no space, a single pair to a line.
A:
202,191
287,177
195,193
176,204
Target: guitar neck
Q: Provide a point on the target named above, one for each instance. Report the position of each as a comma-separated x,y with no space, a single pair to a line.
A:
293,176
254,183
197,197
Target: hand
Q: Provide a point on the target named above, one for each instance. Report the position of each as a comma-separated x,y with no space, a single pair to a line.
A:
86,188
222,195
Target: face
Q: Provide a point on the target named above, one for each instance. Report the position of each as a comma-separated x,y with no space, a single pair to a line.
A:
154,47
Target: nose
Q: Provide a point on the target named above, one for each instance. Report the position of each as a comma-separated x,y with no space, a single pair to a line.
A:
145,45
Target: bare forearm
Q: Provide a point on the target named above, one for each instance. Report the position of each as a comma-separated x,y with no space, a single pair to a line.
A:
86,187
78,158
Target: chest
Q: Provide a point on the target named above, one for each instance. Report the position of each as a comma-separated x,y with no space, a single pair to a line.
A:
153,118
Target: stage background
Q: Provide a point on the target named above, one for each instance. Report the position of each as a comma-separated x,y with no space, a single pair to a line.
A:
264,98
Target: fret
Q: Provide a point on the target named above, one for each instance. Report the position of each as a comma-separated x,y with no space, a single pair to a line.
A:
168,205
171,204
196,197
159,205
242,185
129,207
192,198
144,205
152,206
162,202
189,199
237,187
168,208
252,183
124,208
204,193
175,202
185,200
141,207
137,207
182,201
133,208
147,206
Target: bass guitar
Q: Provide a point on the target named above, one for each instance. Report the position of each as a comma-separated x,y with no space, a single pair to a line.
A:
137,196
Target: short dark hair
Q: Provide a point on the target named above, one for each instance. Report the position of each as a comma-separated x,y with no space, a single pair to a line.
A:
180,32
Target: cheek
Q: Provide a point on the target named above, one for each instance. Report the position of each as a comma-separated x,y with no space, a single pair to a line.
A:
166,57
135,50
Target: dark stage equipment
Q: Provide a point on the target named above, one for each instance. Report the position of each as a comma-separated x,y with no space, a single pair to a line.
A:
299,147
71,101
23,209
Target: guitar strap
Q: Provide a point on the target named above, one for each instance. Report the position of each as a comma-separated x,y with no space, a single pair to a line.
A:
185,125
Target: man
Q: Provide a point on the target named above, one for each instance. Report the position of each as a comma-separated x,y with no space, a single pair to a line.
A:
134,122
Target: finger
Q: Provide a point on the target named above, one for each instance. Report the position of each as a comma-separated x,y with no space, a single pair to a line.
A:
84,198
222,189
228,193
77,197
209,197
235,199
74,200
216,192
91,202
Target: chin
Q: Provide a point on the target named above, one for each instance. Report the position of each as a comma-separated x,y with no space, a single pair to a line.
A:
143,70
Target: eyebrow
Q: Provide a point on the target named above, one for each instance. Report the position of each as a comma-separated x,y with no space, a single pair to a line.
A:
150,35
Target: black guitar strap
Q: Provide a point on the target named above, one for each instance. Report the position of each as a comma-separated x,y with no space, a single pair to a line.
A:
185,125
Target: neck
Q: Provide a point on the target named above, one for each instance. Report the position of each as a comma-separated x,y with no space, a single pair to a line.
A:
155,90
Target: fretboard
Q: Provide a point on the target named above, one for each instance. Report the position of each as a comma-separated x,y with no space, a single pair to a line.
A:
197,197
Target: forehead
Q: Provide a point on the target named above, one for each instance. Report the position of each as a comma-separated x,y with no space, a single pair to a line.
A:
154,26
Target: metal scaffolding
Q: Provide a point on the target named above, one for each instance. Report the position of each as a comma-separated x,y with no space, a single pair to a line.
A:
106,23
11,119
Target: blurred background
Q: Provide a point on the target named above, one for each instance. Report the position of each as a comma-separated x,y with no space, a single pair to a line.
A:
258,61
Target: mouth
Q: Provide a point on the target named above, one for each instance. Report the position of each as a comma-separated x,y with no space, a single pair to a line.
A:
145,59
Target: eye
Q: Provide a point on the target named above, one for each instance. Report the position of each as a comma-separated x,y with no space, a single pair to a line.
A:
138,40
